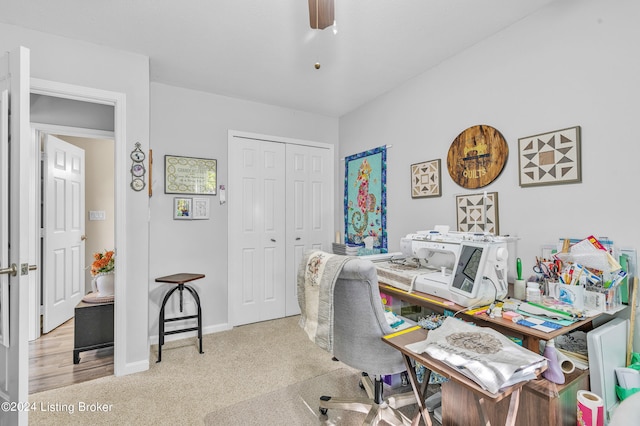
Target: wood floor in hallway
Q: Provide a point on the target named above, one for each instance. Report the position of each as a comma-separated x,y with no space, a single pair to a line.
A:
51,361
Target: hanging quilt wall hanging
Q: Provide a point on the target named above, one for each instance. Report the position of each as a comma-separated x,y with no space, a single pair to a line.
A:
365,198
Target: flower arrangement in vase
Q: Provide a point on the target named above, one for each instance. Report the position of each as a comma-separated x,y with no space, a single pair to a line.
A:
102,271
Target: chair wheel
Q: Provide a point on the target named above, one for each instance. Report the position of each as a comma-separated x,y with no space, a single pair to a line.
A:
323,411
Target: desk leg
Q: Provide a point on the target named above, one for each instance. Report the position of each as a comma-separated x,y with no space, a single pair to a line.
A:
532,343
514,404
418,392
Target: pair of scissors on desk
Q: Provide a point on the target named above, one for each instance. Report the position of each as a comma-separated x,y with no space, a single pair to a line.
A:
551,271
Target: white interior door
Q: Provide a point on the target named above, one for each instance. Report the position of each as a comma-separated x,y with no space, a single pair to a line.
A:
14,217
256,230
63,244
309,209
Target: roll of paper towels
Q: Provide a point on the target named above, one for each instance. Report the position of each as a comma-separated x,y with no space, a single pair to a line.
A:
590,409
566,365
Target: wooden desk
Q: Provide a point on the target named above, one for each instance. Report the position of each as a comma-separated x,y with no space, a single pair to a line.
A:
482,397
179,280
530,337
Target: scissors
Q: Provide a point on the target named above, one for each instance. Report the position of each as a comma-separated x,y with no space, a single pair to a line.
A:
555,269
551,270
541,268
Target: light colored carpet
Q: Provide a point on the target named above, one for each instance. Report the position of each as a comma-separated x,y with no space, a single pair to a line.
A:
298,404
237,366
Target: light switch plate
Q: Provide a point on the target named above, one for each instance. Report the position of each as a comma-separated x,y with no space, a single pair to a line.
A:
97,215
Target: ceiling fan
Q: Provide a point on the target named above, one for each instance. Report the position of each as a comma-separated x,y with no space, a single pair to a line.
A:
321,14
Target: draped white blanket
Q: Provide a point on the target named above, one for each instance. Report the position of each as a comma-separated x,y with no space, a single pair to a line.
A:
317,277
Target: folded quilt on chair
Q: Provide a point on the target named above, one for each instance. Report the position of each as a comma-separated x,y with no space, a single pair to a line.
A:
317,277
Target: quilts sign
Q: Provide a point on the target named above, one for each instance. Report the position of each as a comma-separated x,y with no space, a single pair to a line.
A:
365,198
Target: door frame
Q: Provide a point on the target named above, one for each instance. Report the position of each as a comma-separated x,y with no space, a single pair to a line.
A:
118,101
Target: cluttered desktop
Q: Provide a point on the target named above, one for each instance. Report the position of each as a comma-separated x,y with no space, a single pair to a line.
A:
465,275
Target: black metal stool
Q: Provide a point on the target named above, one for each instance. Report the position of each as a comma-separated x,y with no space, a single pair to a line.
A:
180,280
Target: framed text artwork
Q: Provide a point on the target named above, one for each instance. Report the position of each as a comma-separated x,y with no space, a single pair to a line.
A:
478,212
477,156
425,179
550,158
365,198
188,175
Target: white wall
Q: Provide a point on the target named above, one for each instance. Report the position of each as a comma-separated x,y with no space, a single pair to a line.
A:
196,124
75,62
573,63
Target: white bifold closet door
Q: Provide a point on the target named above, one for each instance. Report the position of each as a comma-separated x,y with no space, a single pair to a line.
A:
280,197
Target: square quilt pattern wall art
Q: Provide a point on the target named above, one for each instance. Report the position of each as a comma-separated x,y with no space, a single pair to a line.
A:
425,179
478,212
550,158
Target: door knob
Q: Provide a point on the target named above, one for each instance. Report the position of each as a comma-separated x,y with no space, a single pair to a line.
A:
11,270
272,240
83,237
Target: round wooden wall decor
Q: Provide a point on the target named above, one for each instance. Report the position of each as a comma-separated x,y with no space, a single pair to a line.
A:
477,156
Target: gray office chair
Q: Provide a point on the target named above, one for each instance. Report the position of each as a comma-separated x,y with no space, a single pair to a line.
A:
359,324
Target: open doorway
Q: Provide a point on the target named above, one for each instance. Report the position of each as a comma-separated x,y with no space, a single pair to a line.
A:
54,361
52,358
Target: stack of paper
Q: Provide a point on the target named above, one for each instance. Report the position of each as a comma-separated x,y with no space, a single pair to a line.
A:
345,249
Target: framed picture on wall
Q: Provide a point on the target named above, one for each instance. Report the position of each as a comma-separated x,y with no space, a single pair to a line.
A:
425,179
200,208
550,158
182,208
189,175
478,212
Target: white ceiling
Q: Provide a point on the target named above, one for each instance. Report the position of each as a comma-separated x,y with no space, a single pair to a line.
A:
265,51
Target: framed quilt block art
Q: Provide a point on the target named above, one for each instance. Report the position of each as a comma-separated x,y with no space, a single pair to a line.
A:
550,158
425,179
478,212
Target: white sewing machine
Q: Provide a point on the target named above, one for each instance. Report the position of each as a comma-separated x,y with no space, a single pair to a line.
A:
469,269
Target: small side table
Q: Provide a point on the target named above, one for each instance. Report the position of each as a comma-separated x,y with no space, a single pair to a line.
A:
180,280
93,327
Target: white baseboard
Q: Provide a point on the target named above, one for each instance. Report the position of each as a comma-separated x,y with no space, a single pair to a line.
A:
134,367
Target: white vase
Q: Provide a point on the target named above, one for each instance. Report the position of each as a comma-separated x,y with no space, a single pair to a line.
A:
103,284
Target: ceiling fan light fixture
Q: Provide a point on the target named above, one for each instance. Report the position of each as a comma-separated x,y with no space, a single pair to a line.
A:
321,14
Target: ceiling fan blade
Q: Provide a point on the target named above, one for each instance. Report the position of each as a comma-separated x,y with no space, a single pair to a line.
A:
321,14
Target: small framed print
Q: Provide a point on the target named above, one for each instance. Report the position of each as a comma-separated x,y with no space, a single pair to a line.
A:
425,179
200,208
478,212
550,158
182,208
